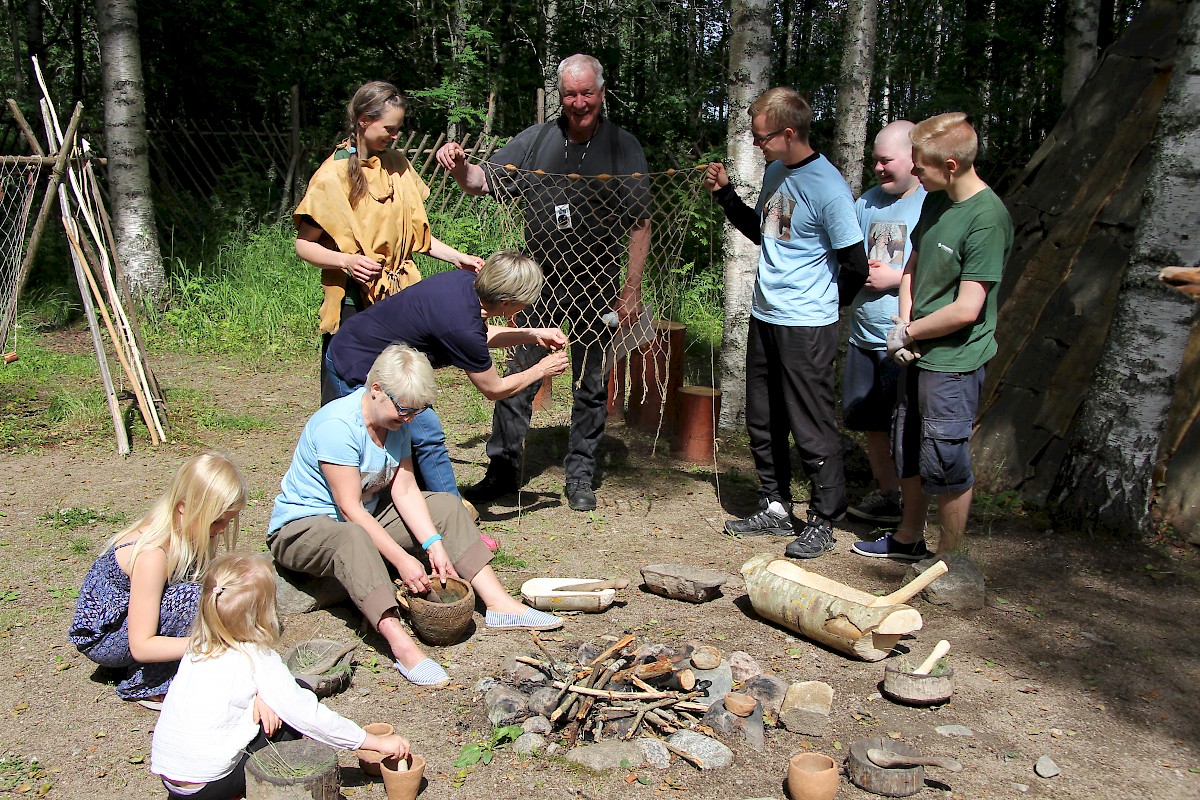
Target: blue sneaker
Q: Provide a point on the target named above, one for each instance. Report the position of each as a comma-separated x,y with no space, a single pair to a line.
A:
886,546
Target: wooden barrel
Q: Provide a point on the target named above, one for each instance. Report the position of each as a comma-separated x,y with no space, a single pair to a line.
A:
696,424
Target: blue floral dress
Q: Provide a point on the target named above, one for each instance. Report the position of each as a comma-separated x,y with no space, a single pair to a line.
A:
100,628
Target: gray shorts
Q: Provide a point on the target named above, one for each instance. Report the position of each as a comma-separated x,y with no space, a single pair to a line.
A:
931,432
323,546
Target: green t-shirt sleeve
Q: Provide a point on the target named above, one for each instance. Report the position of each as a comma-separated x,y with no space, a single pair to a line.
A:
983,254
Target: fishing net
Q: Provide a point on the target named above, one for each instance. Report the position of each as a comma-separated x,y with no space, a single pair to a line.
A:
18,184
578,228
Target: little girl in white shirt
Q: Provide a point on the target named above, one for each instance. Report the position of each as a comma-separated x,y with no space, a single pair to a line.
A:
208,726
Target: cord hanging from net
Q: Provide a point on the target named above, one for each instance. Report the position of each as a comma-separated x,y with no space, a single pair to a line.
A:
579,229
18,185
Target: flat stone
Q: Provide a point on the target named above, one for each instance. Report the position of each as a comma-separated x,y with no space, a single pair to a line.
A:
656,753
708,751
749,729
721,680
543,701
769,691
706,657
744,666
650,652
483,684
523,675
505,705
962,588
528,743
607,755
1021,787
297,593
806,708
681,582
1046,768
586,652
537,724
954,730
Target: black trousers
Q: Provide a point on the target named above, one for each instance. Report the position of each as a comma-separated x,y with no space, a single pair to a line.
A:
789,391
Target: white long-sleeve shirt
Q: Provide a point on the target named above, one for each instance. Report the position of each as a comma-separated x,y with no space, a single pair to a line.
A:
207,718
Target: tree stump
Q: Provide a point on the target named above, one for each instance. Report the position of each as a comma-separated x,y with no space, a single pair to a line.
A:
298,770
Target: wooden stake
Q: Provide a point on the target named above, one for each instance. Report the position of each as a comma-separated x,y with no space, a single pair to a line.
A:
112,334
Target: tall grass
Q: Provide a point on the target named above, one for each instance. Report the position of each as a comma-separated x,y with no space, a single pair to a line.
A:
256,298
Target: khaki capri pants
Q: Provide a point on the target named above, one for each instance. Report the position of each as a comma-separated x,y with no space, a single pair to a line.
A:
321,545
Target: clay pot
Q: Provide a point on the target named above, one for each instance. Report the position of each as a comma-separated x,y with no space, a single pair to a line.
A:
402,779
812,776
368,760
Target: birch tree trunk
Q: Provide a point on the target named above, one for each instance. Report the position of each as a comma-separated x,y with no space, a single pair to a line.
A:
854,91
551,102
128,149
1080,46
1109,478
749,69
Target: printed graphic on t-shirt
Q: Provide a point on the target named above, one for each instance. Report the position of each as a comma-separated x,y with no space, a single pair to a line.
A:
372,482
886,242
777,217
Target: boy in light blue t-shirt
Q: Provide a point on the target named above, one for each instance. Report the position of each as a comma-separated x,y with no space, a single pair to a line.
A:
811,261
887,214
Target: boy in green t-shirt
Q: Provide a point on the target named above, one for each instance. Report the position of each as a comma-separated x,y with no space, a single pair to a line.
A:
944,335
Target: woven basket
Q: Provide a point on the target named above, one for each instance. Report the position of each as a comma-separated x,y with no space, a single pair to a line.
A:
440,623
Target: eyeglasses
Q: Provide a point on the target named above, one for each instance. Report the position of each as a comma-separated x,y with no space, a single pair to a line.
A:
756,140
405,411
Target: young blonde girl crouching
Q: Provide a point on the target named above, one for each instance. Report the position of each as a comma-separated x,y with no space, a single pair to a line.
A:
139,599
207,728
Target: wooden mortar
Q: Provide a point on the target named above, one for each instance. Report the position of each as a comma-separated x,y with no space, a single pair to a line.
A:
896,782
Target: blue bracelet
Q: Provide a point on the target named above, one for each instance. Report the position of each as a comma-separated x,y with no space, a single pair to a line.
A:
431,541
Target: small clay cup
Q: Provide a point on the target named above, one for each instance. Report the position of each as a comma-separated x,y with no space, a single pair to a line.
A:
812,776
402,779
368,760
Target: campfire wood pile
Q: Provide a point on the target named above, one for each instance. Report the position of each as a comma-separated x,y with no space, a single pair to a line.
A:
616,694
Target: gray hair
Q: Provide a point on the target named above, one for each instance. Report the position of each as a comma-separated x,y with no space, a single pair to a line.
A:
578,63
509,276
405,374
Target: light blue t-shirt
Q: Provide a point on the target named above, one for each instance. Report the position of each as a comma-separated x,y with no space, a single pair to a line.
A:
887,222
806,213
337,434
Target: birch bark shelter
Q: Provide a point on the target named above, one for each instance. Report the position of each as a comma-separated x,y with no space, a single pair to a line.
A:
127,146
1088,349
750,48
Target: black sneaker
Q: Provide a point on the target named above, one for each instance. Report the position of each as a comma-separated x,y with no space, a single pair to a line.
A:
886,546
492,487
764,523
813,540
881,507
580,496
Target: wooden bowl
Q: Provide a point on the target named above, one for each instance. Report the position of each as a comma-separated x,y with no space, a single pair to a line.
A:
331,681
543,594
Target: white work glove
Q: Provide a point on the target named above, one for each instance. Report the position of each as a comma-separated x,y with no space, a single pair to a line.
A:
900,344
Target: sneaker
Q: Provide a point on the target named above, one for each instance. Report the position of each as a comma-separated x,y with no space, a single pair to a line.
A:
764,523
814,539
881,507
580,496
492,487
886,546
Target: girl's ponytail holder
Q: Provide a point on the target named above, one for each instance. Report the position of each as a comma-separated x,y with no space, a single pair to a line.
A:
217,591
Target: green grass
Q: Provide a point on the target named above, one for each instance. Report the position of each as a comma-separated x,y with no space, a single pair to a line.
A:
46,396
503,561
71,519
193,410
255,299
